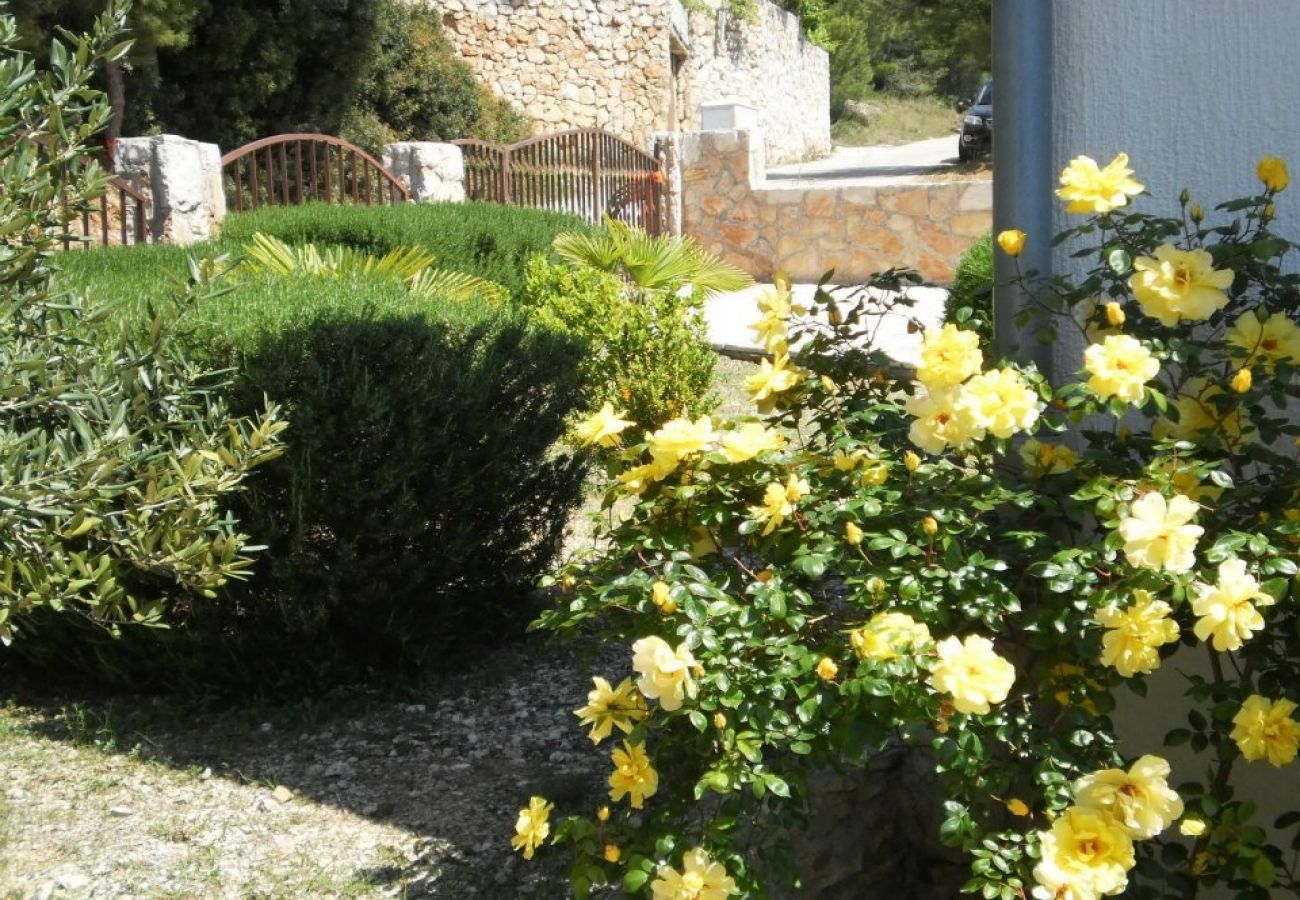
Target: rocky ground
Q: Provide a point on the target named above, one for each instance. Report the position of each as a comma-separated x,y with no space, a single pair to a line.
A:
354,795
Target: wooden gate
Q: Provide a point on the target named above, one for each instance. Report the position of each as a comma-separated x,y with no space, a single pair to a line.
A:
586,172
296,168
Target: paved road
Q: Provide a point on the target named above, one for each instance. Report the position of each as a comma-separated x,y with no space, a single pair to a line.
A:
870,165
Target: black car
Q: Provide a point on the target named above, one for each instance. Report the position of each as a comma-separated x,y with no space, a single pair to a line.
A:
977,126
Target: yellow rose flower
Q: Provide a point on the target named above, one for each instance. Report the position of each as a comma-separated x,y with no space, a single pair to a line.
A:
888,635
930,525
1120,366
1268,341
1089,189
1135,633
852,534
612,853
779,502
773,377
875,474
939,423
1226,613
770,334
911,461
972,673
1264,729
1179,284
665,672
1086,851
533,826
680,438
750,440
998,401
636,479
609,708
847,461
827,669
700,879
1158,534
1114,314
602,428
1273,173
1012,241
1139,800
948,357
1241,381
780,303
633,776
1047,459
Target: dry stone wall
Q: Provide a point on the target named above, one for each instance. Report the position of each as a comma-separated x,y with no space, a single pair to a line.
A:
569,63
769,64
729,208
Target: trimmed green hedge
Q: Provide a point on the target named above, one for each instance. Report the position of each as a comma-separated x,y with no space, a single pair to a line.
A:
422,492
484,239
971,299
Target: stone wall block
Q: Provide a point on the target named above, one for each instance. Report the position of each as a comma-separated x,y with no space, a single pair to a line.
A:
182,179
434,173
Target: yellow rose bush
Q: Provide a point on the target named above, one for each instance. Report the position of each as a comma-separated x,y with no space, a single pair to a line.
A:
971,562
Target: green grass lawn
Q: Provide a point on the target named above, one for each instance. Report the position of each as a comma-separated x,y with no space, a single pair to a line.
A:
900,120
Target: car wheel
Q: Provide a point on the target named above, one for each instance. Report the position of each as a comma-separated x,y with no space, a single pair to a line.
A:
963,153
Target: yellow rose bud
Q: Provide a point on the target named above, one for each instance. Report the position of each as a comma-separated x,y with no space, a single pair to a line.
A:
1242,381
1273,173
659,593
1017,807
875,584
930,526
1114,314
912,461
826,669
834,316
852,534
612,853
603,814
668,607
1197,212
719,721
1184,195
1192,827
1012,241
1269,213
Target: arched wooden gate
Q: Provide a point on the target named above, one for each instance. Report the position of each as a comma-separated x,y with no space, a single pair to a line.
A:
587,172
296,168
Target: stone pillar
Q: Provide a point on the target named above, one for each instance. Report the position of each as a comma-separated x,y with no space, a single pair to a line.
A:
182,179
434,173
670,141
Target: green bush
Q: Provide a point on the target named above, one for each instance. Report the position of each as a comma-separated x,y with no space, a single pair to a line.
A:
116,450
646,351
419,497
484,239
419,89
971,298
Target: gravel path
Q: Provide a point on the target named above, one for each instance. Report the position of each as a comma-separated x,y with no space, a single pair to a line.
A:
351,796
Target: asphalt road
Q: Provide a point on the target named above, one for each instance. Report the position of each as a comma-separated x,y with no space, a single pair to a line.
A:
871,165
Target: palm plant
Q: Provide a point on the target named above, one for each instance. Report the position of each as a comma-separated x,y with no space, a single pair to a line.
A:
414,266
658,263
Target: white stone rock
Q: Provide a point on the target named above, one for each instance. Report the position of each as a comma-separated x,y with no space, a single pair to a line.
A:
434,173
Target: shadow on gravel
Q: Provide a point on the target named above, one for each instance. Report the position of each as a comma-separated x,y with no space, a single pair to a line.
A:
450,763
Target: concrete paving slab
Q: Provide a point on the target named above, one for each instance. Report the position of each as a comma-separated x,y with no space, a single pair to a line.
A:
730,316
869,166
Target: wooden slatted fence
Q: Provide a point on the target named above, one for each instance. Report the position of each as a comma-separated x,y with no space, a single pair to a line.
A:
586,172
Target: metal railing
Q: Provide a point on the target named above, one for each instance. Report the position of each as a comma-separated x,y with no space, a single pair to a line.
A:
289,169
